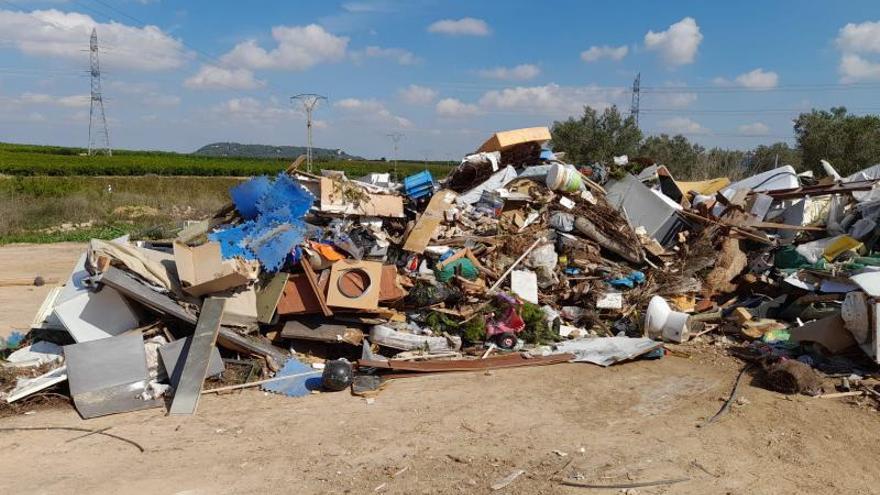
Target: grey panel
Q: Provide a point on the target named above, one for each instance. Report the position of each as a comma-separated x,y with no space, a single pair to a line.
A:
195,366
106,376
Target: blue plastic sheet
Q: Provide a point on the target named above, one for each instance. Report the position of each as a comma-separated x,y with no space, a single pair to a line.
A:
297,386
247,194
275,228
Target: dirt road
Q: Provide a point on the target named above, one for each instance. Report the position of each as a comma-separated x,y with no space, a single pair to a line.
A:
459,434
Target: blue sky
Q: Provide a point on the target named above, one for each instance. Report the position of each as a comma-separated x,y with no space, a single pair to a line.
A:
181,74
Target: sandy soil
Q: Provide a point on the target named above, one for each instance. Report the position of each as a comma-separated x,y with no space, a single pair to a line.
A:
458,433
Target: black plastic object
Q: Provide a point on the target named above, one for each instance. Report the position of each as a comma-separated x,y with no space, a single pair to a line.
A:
506,340
337,374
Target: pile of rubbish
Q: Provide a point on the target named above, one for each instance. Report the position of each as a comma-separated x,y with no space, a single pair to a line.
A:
308,283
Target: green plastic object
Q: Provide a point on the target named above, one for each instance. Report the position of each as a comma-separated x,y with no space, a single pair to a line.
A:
462,266
788,257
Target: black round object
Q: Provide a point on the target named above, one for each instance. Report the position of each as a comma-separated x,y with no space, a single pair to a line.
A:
506,340
337,374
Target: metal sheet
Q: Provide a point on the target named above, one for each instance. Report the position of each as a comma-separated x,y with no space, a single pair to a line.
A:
106,376
195,367
172,365
139,292
96,315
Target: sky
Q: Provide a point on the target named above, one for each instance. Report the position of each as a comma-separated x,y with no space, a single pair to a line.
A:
444,75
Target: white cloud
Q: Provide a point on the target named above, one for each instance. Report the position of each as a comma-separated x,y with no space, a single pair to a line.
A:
720,81
676,100
522,72
854,68
682,125
253,111
860,38
466,26
677,45
450,107
298,48
755,129
398,55
214,77
758,79
595,53
417,95
162,100
854,41
66,34
71,101
370,111
552,99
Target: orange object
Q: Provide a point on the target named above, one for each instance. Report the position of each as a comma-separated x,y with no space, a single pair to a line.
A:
327,251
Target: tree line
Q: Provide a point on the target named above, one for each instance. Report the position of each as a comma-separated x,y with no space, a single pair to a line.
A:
849,142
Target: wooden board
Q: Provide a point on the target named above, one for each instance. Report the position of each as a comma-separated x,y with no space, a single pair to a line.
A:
322,332
195,366
313,281
369,300
427,224
299,297
493,362
269,295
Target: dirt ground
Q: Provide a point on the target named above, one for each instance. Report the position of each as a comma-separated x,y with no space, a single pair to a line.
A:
452,434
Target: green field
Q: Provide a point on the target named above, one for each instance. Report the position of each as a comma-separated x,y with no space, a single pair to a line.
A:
28,160
53,194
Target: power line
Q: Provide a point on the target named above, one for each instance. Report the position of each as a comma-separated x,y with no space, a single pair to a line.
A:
96,109
395,140
634,105
309,102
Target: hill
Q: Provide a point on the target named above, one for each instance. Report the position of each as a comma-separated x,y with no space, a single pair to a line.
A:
239,150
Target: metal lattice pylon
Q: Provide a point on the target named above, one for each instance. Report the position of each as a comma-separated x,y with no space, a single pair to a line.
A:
99,134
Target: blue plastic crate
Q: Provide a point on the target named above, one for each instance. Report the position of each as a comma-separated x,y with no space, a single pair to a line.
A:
419,185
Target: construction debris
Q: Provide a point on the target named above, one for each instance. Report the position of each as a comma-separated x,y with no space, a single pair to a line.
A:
320,282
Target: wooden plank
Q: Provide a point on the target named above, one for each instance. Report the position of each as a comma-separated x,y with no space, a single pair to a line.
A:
269,295
426,226
313,281
133,289
494,362
195,366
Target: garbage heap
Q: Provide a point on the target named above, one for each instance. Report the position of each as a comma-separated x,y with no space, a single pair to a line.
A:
311,282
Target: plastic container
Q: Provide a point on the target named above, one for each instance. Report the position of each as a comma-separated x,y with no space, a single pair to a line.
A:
419,185
562,178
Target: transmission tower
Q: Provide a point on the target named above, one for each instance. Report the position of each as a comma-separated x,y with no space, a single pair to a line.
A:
99,138
395,140
634,106
309,102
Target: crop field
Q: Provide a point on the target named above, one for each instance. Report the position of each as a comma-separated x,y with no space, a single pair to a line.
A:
28,160
54,194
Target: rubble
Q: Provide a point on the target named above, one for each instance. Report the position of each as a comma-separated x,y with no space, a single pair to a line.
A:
321,283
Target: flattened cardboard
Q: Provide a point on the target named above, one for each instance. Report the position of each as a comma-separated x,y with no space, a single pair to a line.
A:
831,332
241,309
427,224
370,297
375,205
505,139
202,270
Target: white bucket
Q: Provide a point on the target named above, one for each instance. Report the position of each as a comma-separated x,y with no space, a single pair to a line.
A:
562,178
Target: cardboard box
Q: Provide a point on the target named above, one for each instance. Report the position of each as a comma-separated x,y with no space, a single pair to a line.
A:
202,270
